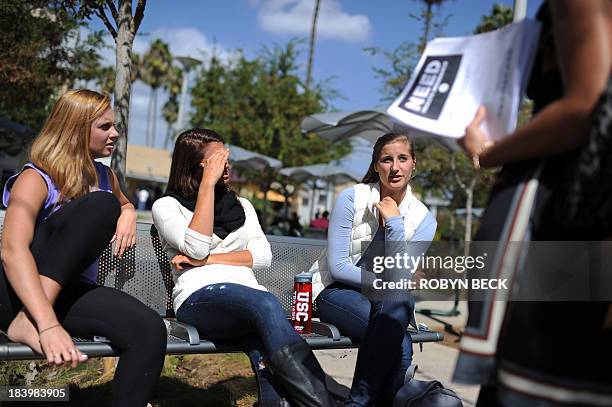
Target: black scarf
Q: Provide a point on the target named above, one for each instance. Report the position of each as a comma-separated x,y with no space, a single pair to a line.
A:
229,213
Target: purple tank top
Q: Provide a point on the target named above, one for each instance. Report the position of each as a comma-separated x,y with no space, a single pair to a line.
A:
90,275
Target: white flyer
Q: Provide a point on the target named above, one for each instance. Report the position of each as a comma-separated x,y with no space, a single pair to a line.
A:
456,75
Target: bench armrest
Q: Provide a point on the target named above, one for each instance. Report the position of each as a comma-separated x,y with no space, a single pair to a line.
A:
184,331
325,329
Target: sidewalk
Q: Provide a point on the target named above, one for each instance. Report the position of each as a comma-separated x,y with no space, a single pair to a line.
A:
435,362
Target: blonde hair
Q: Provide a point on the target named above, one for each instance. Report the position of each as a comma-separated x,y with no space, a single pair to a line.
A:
62,147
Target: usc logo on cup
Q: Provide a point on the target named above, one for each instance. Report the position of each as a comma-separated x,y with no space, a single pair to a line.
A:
301,306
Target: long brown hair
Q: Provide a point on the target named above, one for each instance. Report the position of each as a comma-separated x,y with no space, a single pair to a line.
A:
185,170
62,147
372,176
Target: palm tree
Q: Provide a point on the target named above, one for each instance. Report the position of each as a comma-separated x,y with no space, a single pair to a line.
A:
171,107
427,15
313,34
105,75
156,64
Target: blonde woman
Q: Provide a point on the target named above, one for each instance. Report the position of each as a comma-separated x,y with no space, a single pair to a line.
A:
63,209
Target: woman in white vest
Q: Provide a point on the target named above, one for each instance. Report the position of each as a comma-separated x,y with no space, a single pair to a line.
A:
381,208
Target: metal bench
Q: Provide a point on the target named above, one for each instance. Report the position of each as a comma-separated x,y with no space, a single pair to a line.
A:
145,273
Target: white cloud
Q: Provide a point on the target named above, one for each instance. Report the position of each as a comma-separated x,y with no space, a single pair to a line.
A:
295,17
183,41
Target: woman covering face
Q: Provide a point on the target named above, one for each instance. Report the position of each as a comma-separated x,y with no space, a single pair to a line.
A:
214,242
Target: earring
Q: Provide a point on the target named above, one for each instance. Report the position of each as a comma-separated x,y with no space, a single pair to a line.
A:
413,173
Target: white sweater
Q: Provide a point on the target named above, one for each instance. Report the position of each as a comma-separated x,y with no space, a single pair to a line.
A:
172,222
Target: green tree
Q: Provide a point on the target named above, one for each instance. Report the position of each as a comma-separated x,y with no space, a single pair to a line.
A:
500,16
453,172
42,55
447,174
155,68
401,61
258,104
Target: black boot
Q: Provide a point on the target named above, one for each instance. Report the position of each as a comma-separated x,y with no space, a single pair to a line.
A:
274,403
299,371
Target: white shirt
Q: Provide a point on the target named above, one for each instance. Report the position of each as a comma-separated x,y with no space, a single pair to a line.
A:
172,222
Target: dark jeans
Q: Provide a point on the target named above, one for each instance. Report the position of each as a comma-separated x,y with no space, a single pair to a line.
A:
380,327
253,319
63,246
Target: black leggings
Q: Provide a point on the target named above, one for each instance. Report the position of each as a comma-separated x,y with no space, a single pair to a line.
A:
64,245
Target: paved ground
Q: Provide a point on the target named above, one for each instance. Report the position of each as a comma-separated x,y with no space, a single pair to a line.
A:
435,362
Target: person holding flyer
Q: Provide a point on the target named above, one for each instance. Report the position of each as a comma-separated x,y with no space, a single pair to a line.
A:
573,110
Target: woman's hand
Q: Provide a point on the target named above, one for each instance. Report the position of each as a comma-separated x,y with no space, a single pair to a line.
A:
180,261
125,234
387,208
58,346
475,141
214,166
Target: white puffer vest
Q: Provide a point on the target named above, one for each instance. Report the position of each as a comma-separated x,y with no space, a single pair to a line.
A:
365,226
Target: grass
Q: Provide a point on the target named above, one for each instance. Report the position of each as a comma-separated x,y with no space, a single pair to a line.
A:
191,380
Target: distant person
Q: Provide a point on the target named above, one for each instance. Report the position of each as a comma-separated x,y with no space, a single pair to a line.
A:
381,208
295,227
321,222
317,215
214,242
143,197
63,210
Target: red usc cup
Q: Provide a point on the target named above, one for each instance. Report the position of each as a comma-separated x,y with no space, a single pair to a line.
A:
301,306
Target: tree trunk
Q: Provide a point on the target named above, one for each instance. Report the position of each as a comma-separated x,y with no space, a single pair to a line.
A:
313,34
148,137
154,117
468,215
123,85
426,28
264,212
469,192
168,136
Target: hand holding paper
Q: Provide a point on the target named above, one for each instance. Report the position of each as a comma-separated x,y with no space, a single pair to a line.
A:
457,75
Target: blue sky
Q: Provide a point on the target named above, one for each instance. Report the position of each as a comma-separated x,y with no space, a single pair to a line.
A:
345,27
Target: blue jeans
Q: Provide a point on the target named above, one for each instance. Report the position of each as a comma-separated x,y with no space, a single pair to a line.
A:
380,327
252,319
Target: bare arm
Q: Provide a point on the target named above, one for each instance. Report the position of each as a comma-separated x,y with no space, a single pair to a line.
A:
240,258
27,197
125,234
582,34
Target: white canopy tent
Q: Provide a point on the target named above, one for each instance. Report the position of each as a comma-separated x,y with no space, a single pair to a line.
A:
251,159
330,173
368,124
